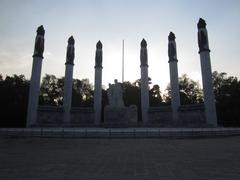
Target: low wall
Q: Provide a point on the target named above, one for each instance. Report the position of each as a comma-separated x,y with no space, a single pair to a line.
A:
161,115
49,116
192,115
82,116
188,116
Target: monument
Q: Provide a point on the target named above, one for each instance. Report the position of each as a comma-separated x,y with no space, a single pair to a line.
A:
144,81
67,98
175,96
35,78
116,113
98,84
204,51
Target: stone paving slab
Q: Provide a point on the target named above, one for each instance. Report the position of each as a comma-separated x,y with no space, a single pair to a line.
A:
119,159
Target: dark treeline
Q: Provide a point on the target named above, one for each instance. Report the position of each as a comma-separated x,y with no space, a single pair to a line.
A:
14,96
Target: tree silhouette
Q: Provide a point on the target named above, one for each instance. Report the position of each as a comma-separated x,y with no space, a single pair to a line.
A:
190,91
14,98
227,95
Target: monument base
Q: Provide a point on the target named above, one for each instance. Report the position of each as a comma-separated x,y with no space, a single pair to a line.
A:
120,116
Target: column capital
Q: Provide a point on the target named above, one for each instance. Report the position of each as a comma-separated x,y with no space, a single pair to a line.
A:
172,51
98,55
70,51
39,42
143,53
202,36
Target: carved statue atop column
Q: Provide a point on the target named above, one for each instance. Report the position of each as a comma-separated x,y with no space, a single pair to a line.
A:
172,53
98,56
70,51
39,42
202,36
144,56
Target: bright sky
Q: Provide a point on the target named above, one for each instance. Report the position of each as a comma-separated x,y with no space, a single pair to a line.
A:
112,21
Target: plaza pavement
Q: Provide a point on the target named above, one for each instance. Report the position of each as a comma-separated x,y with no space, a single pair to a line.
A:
126,159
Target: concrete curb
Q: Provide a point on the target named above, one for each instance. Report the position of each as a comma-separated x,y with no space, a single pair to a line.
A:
119,132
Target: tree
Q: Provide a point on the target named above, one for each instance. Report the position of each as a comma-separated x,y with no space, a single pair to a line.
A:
155,97
82,93
227,95
190,91
14,100
131,93
51,90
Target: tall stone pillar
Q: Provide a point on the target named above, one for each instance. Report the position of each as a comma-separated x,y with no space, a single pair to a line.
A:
144,82
209,100
172,54
35,78
98,84
67,98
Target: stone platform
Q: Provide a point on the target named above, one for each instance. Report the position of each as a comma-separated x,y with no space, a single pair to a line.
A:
120,116
119,132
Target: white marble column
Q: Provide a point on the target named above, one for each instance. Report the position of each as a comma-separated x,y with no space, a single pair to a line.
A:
67,98
175,96
98,84
35,78
209,99
144,82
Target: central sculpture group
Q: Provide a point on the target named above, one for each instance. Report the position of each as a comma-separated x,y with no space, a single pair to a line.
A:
116,112
115,94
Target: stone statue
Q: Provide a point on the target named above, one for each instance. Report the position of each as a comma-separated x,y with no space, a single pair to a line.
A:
171,48
98,57
143,56
39,42
70,51
202,40
202,37
171,51
115,94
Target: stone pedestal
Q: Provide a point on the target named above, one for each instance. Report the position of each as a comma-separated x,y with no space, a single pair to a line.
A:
120,116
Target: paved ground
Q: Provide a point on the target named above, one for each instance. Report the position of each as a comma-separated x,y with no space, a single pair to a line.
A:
126,159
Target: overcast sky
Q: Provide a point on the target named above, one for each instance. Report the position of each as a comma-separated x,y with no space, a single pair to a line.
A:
112,21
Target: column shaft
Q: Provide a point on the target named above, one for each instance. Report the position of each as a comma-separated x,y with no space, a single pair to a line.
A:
98,95
175,97
67,98
34,92
144,93
209,100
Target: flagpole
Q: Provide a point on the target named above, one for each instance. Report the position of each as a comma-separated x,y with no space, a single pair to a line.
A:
123,61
